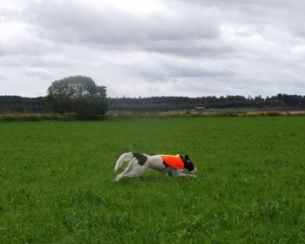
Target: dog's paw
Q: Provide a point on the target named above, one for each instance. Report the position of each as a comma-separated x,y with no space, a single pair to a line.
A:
118,178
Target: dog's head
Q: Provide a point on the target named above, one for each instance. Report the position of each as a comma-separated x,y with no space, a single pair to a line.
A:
188,164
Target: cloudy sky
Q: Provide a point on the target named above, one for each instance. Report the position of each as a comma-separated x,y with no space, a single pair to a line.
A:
154,48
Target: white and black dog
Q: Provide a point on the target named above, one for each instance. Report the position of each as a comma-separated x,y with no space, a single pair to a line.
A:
138,163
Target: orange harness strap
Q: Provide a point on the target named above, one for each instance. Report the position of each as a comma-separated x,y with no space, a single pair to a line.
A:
173,161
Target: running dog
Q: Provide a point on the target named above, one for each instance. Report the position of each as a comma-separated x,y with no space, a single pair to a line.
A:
138,163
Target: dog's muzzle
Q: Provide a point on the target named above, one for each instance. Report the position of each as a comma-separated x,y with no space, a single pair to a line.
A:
193,171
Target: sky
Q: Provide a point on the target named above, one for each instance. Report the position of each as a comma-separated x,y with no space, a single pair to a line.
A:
154,48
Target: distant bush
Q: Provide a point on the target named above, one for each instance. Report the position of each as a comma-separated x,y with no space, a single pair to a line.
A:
33,117
78,94
42,117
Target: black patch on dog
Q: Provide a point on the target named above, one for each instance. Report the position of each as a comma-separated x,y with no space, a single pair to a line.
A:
140,157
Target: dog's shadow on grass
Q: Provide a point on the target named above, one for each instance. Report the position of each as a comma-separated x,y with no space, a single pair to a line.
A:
147,179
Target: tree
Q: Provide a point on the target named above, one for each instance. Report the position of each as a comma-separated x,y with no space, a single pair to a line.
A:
78,94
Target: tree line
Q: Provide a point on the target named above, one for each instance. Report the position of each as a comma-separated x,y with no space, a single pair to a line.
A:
80,95
209,102
15,104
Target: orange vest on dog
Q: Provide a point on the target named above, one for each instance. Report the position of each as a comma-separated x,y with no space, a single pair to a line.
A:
173,161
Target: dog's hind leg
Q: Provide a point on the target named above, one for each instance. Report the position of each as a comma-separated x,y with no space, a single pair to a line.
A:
129,167
136,171
123,158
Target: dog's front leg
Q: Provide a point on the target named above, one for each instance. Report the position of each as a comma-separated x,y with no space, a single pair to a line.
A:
182,174
176,172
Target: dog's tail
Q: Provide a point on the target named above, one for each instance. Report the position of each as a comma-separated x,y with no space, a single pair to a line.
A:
123,158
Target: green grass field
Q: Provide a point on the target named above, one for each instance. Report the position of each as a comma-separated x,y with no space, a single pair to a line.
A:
56,182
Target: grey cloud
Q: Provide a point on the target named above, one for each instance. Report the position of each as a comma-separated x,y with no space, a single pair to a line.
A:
41,73
174,71
71,22
280,14
2,77
186,32
197,72
22,39
52,60
189,47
